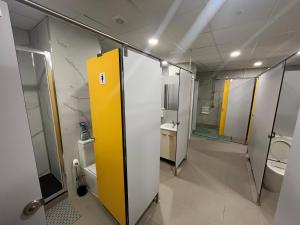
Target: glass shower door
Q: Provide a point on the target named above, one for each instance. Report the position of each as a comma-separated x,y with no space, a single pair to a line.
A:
39,96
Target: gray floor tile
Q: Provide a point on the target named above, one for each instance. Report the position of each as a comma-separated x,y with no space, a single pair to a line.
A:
212,188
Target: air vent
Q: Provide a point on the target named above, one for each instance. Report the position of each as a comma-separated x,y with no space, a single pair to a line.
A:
119,20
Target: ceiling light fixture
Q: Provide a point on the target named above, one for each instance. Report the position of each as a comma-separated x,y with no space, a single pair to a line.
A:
298,53
153,41
235,54
164,63
258,63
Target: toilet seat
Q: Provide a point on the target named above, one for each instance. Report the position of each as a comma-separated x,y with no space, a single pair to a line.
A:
91,179
279,148
92,168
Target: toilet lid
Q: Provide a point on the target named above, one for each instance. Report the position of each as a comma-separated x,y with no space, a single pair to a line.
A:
279,150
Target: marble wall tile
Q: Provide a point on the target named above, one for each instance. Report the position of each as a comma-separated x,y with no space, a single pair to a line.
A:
70,48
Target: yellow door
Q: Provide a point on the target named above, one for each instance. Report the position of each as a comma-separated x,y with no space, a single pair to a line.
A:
104,77
224,107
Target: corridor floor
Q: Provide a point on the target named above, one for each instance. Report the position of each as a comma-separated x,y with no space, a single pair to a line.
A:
212,188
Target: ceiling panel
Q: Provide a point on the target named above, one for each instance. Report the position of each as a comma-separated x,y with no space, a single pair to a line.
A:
246,52
206,53
23,17
238,35
22,22
240,12
66,7
265,30
203,40
180,25
281,46
188,6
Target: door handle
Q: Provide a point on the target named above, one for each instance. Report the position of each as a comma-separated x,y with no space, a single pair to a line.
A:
32,207
272,135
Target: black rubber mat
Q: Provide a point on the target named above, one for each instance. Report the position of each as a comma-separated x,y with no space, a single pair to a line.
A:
49,185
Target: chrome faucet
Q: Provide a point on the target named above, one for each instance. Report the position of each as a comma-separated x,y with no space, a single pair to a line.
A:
174,123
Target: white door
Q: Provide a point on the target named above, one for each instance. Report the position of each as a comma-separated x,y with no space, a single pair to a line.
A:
289,199
239,108
142,75
267,95
184,107
19,184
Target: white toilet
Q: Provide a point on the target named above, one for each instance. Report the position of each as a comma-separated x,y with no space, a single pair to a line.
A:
277,162
88,165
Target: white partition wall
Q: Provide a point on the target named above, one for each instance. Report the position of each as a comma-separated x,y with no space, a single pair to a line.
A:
18,172
267,94
195,104
184,106
142,82
289,201
239,108
289,104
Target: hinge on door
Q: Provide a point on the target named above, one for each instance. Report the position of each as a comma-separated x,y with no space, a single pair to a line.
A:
272,135
125,51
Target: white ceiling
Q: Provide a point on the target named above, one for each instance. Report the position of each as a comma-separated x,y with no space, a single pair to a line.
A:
266,30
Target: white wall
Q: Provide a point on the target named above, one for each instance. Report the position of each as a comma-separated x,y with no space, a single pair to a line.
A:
289,104
70,48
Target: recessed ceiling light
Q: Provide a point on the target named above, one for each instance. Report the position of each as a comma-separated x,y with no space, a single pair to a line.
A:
153,41
235,54
298,53
164,63
258,63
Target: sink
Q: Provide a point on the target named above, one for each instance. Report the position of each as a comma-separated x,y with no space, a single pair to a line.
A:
168,126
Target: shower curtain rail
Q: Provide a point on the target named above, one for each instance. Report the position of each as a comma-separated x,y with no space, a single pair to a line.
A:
91,29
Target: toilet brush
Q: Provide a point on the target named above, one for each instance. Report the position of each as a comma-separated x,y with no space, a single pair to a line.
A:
81,187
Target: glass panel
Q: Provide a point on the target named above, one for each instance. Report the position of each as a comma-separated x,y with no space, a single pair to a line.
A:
210,98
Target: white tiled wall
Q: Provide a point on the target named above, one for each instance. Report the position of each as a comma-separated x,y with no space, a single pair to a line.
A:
70,48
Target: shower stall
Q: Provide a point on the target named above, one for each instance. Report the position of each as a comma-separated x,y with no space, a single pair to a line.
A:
43,119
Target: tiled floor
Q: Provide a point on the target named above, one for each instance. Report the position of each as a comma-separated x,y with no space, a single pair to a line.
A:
213,188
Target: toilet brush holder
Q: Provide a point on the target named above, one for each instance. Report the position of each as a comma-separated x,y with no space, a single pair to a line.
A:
80,185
